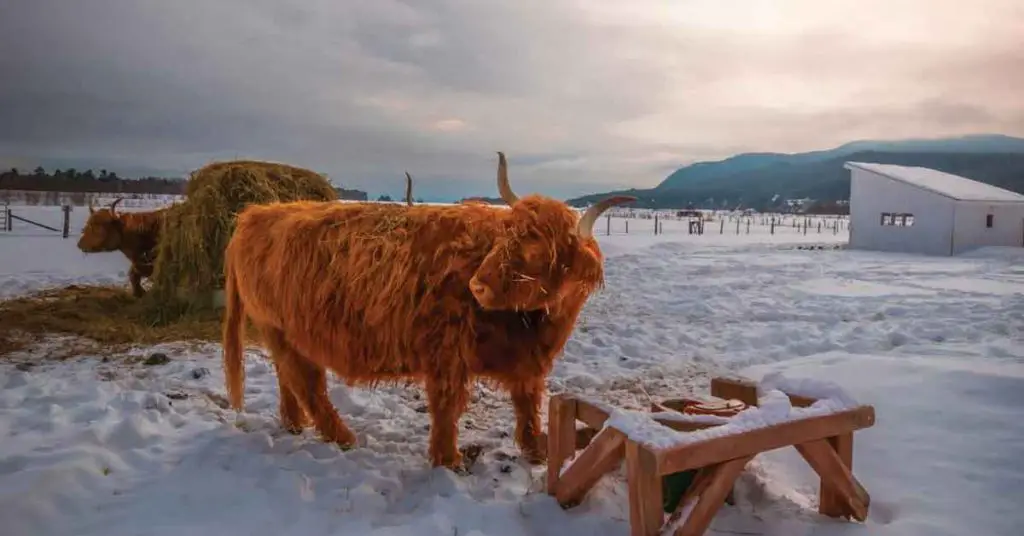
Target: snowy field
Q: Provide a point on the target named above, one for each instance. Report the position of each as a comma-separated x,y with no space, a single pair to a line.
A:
97,446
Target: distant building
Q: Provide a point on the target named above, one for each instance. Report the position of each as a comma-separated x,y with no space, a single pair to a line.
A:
921,210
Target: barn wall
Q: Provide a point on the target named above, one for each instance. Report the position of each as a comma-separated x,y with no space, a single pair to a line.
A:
872,194
970,231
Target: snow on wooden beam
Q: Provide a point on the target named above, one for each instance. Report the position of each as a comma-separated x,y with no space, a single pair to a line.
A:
747,442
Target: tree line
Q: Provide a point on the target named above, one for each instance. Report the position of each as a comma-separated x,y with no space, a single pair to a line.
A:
73,180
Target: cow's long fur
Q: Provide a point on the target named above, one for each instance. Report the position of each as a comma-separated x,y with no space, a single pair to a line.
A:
135,234
381,292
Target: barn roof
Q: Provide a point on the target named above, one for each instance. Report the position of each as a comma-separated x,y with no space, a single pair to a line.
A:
940,182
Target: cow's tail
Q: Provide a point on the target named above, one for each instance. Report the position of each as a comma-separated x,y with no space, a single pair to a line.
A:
234,319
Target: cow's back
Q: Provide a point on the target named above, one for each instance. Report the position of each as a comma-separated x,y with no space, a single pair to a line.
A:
371,288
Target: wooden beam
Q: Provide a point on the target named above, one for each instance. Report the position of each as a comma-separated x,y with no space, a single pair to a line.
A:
829,502
712,497
717,449
645,495
746,391
825,461
741,389
595,418
591,414
561,436
697,487
583,438
602,455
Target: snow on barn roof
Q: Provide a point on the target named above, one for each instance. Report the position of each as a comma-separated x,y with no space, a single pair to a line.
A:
940,182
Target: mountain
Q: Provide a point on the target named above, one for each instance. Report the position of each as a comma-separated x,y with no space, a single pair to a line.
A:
753,179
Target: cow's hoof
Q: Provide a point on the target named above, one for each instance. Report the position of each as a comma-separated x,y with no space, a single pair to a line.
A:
456,463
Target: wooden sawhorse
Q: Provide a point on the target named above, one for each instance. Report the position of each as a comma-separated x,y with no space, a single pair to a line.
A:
825,440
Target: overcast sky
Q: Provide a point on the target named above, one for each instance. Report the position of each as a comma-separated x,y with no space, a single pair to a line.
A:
582,95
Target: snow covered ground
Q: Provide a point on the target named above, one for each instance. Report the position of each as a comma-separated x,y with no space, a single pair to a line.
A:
106,445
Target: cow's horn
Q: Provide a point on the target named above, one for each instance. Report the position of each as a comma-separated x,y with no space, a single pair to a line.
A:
114,204
408,189
503,187
586,224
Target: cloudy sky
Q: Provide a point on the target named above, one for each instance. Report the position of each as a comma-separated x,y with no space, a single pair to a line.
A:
581,95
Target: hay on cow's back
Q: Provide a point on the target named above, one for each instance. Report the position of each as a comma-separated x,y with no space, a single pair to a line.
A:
190,256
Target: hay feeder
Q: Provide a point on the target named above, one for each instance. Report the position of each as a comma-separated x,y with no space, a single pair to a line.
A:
189,270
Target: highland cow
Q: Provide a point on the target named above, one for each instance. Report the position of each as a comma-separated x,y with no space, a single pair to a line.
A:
135,234
440,295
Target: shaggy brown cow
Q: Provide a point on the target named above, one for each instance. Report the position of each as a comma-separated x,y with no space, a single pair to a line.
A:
436,294
133,233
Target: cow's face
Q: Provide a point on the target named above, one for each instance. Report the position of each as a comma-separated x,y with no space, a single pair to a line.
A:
542,262
102,231
547,258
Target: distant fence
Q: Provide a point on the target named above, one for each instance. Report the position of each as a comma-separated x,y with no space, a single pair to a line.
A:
81,199
707,222
8,217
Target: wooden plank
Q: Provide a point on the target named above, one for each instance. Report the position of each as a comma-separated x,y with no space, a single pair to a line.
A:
595,418
746,391
645,496
700,482
718,449
591,414
829,502
697,487
825,461
800,401
583,438
741,389
712,498
560,440
602,455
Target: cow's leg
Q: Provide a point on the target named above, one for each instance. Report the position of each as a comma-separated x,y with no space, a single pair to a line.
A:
135,278
293,417
526,398
307,382
447,395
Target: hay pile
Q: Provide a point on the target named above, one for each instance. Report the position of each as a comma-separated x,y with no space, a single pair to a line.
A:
190,258
107,317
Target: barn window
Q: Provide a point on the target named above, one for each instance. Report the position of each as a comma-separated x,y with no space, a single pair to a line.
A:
897,219
988,220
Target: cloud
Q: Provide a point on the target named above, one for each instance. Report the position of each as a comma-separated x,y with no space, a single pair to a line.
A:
580,95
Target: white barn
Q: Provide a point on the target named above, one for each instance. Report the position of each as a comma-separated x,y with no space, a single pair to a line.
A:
921,210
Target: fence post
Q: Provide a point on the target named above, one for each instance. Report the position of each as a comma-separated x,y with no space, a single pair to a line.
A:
737,226
608,225
721,228
773,226
67,221
627,226
655,223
